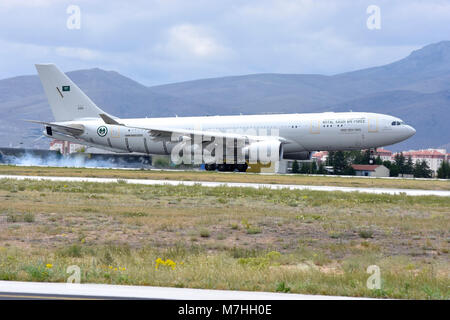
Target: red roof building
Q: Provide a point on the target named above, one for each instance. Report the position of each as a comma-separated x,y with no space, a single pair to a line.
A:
370,170
385,155
320,156
433,157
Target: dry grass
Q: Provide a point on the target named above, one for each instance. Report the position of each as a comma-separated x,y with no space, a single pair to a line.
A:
306,241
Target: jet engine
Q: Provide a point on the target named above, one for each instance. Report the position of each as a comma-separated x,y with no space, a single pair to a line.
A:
302,155
264,151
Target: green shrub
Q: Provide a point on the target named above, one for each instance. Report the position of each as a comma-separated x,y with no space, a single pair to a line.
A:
365,234
28,217
204,233
282,287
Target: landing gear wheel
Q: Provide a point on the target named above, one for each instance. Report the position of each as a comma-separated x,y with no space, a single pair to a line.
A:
230,167
210,166
242,167
222,167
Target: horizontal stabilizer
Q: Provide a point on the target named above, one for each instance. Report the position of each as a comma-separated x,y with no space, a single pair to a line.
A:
75,129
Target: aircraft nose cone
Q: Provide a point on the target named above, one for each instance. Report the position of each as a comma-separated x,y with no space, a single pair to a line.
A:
411,131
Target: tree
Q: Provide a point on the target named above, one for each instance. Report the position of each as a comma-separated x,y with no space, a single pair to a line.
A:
444,170
339,162
399,160
378,160
358,157
321,169
349,171
366,157
295,167
305,168
313,167
422,170
409,166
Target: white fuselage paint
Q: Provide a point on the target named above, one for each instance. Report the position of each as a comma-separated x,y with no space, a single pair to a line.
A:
301,132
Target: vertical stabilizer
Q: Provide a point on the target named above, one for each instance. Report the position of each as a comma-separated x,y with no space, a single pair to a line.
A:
66,100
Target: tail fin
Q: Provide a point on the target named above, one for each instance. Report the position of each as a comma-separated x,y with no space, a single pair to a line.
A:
66,100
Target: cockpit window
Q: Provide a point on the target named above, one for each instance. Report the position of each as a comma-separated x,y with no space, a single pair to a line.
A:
397,123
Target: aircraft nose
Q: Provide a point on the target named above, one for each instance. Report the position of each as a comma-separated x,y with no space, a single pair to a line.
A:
411,131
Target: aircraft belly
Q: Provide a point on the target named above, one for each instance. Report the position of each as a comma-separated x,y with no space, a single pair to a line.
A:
155,147
118,143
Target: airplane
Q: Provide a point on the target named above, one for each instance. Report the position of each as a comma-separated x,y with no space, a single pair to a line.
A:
225,143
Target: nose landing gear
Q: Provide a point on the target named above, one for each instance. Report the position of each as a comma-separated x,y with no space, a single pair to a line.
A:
372,152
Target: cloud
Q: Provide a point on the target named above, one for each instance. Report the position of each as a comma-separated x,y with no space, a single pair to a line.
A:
158,41
80,53
188,41
26,3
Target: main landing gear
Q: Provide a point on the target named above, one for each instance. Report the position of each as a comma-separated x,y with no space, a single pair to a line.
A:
229,167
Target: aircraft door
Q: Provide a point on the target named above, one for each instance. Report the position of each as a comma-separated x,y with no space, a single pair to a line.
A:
314,126
372,123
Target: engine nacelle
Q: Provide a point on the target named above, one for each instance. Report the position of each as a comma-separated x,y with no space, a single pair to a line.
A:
302,155
264,151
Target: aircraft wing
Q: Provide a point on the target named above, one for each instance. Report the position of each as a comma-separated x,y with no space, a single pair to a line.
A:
168,134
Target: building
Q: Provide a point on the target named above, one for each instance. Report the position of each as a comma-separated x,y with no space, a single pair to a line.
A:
66,147
320,157
433,157
370,170
385,155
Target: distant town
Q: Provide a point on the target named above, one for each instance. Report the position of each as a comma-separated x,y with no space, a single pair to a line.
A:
427,163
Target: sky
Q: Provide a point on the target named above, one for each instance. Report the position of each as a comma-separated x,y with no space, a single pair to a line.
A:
165,41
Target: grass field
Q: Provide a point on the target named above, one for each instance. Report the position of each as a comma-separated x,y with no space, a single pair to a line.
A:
229,177
225,238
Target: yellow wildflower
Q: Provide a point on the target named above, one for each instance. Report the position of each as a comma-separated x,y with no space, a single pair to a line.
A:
49,266
170,263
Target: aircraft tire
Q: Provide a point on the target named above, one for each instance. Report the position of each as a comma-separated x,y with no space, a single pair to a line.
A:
222,167
230,167
242,167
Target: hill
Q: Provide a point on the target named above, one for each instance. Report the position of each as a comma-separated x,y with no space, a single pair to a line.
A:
416,89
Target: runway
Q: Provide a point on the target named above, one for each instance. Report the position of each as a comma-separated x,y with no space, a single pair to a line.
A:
67,291
391,191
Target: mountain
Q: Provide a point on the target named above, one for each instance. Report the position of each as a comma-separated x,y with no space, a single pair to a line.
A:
416,89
